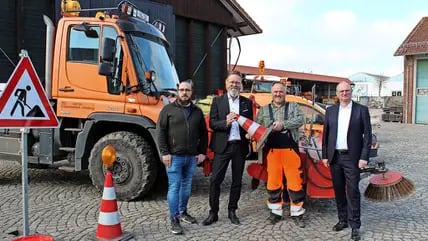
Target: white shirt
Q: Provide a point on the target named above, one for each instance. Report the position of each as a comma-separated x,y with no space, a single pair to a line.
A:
234,128
342,126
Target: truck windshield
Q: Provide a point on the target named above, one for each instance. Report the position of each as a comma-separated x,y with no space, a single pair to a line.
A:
255,86
262,87
150,54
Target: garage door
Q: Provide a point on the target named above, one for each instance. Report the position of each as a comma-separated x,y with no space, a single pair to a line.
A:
421,92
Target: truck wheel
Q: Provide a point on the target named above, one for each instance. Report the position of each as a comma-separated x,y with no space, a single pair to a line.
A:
134,170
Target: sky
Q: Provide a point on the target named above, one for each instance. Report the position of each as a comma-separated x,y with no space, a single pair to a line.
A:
330,37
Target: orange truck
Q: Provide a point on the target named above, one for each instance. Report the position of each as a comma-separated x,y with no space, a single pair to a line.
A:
107,78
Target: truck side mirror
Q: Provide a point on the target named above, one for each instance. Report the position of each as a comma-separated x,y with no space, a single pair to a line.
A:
109,50
106,69
106,66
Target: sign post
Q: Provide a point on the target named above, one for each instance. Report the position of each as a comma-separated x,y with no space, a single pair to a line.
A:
24,157
24,104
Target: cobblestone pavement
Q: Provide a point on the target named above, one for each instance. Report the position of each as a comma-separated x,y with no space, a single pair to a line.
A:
65,205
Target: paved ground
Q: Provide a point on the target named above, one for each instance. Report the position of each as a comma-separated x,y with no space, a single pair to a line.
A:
65,205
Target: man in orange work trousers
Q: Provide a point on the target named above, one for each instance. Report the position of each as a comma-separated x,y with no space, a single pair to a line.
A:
283,154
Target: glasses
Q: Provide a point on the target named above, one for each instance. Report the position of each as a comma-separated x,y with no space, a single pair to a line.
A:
235,82
344,91
184,90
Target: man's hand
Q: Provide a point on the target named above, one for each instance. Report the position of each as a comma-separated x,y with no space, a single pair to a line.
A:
277,126
362,163
325,162
166,159
231,117
200,158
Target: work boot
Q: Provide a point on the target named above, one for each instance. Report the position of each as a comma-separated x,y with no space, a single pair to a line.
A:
273,218
176,227
298,220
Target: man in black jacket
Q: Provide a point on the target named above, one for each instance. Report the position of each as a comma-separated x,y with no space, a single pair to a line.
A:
346,146
229,144
183,141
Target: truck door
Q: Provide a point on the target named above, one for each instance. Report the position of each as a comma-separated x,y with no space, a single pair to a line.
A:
81,90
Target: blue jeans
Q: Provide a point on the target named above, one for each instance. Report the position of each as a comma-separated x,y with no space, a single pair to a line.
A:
180,175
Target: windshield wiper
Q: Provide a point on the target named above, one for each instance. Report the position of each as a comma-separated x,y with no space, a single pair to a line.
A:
137,51
168,91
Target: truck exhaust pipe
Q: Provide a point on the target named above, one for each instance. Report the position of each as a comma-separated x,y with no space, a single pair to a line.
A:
50,32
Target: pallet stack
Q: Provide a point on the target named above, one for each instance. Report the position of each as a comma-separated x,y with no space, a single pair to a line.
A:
393,114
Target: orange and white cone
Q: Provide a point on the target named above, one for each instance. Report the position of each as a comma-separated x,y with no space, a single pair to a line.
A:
108,221
254,129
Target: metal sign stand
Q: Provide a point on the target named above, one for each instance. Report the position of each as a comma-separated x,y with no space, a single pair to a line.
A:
24,156
9,121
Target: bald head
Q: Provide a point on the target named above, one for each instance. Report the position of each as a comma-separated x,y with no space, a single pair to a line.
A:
344,92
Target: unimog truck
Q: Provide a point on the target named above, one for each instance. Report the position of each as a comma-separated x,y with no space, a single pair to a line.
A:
107,78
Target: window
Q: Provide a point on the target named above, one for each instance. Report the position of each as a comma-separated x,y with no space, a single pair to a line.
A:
83,48
311,114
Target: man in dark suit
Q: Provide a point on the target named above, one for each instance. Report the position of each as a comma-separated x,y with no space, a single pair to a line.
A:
228,143
346,147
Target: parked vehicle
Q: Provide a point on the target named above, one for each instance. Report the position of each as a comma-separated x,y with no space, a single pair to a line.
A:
106,76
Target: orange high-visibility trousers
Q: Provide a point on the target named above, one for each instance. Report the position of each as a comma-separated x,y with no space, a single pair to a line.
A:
286,162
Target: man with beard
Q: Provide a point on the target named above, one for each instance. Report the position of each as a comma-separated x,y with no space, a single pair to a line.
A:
229,144
183,141
283,154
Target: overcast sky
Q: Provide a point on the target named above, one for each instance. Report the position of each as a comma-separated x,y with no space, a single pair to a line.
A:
331,37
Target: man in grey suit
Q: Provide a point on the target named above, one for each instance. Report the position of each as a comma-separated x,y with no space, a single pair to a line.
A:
346,147
229,144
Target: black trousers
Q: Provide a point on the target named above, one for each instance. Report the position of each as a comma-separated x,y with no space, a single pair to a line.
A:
236,153
346,177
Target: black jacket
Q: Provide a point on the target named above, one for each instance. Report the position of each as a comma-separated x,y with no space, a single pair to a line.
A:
180,136
219,110
359,136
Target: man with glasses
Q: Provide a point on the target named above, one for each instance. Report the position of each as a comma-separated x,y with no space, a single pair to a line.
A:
183,141
346,146
229,144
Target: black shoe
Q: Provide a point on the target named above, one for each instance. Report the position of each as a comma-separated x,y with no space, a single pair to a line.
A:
185,217
273,218
355,235
233,218
340,226
212,218
299,221
176,227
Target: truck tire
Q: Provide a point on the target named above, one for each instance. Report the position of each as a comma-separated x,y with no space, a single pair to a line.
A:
134,170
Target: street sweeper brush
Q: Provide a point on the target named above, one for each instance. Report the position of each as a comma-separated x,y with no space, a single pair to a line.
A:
388,186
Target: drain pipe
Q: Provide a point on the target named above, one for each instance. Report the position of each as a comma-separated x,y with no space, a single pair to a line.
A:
50,33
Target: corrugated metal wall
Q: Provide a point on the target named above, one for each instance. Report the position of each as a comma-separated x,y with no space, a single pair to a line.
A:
22,27
200,54
7,40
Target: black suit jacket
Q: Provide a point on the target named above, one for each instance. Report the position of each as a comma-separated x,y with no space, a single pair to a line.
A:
218,113
359,136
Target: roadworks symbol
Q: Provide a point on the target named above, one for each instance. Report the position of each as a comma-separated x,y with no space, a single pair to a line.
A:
24,103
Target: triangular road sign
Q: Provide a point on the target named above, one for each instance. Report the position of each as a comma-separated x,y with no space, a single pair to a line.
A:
23,102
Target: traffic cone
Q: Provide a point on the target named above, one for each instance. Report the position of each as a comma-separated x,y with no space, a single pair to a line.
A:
109,227
254,129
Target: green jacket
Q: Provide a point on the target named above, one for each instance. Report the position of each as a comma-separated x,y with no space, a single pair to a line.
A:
292,123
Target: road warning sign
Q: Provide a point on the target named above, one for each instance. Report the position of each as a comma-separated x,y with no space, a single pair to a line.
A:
23,102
